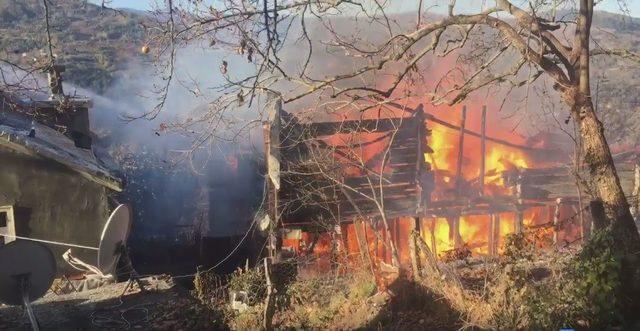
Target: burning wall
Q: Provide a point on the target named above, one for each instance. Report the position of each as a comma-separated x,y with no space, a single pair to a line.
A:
458,205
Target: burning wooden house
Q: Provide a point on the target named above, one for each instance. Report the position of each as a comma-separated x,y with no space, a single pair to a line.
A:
360,187
334,175
52,186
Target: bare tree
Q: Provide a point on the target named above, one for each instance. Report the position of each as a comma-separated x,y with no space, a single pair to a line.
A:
499,45
321,170
523,45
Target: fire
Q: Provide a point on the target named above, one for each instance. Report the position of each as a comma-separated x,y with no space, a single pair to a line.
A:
474,231
443,149
498,158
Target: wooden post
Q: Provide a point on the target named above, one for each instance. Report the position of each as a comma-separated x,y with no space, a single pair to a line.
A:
556,220
494,234
412,248
432,263
269,302
491,234
420,166
454,231
483,141
463,120
434,248
361,237
272,141
519,210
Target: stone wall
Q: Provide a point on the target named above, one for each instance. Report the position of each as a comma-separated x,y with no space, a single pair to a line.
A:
53,202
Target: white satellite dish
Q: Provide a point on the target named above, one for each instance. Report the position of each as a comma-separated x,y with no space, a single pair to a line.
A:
26,274
114,238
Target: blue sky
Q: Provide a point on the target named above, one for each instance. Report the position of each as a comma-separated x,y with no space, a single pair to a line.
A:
398,5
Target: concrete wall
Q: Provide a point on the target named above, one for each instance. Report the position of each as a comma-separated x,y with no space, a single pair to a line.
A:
53,202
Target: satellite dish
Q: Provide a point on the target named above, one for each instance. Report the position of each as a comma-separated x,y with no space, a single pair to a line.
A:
114,238
27,272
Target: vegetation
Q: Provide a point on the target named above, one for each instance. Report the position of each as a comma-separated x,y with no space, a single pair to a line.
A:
526,289
93,42
533,290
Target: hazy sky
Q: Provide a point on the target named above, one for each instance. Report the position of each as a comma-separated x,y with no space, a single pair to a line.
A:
397,5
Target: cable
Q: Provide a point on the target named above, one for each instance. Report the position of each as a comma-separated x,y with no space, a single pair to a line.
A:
49,242
103,321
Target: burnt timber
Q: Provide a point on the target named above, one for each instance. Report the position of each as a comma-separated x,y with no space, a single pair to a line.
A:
395,174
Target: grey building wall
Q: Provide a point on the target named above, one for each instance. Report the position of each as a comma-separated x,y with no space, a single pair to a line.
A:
53,202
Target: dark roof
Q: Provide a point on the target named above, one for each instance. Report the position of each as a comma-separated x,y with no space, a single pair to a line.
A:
53,145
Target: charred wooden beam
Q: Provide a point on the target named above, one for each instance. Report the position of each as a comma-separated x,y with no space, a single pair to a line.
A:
494,234
556,220
454,231
483,141
430,117
519,226
364,125
463,119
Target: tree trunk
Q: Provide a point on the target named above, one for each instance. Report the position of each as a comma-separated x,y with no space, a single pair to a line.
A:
604,177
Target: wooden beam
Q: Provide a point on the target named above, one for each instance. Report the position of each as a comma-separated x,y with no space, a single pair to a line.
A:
483,152
556,220
432,261
463,119
363,125
494,234
454,231
420,166
519,209
412,248
434,246
269,301
430,117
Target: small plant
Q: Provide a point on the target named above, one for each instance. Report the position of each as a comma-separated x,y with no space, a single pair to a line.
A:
519,246
597,271
252,281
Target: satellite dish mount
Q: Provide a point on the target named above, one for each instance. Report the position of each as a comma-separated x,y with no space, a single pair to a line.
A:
28,270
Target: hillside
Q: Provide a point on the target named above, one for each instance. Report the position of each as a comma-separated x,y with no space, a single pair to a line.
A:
616,82
95,43
92,41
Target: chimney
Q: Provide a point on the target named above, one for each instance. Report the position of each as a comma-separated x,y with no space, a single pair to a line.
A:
54,75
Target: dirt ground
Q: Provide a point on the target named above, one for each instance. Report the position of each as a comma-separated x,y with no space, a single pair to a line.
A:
163,305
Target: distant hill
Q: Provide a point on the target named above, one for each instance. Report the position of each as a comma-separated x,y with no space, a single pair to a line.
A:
92,41
615,82
96,43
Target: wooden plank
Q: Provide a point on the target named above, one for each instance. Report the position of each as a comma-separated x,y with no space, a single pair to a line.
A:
454,231
351,126
394,178
556,219
463,119
494,234
483,142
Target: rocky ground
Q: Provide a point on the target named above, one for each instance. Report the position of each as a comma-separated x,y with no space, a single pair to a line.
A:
163,306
